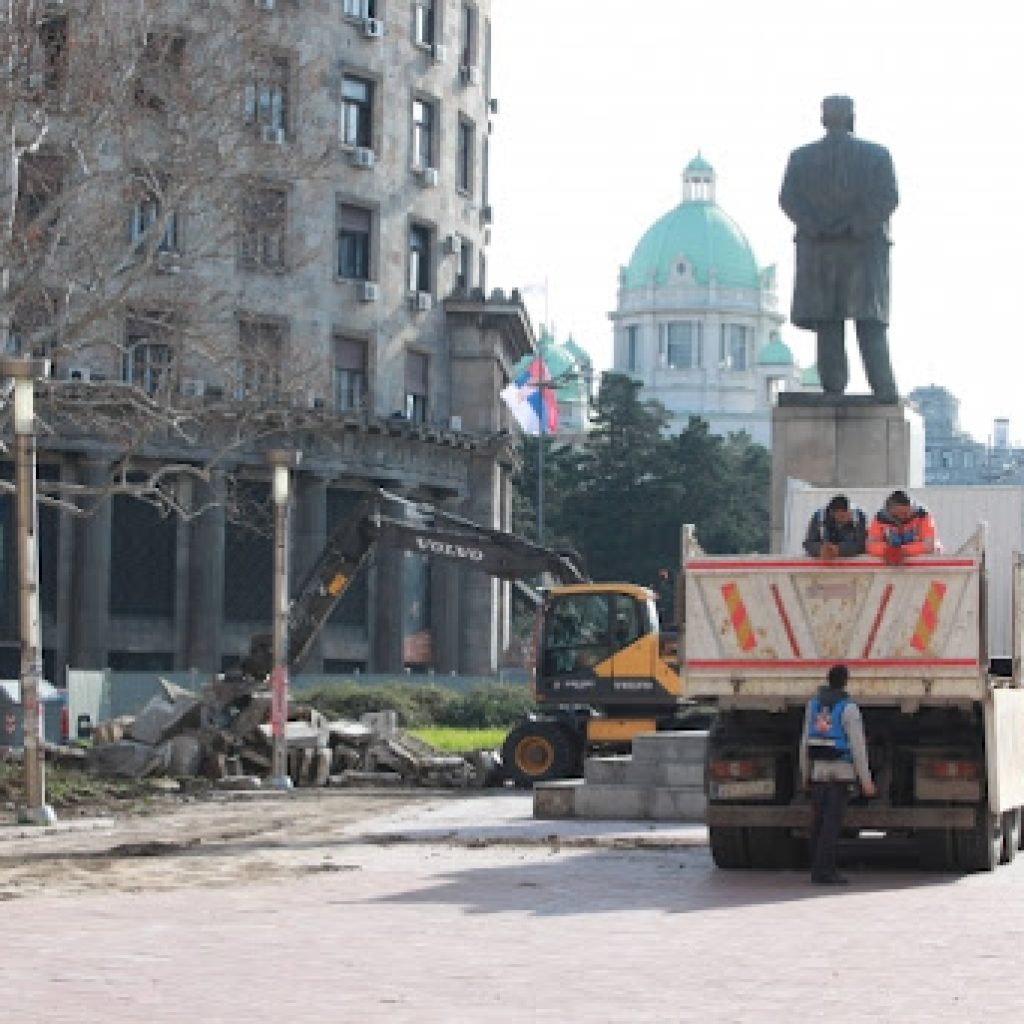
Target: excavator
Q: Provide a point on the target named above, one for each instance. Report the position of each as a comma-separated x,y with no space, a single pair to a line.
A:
601,670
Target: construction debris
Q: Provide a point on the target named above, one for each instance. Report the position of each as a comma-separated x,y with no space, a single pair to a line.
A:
223,732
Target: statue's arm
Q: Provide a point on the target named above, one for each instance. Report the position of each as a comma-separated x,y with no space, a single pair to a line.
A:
794,203
878,200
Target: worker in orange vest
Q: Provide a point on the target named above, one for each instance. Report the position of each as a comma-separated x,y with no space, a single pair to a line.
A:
901,529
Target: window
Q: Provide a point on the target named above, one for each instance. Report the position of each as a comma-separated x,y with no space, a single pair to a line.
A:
148,221
633,348
261,351
263,229
422,133
40,182
142,573
468,34
416,364
359,8
464,271
356,112
467,139
148,354
266,95
682,344
733,350
419,258
349,374
354,228
423,22
48,62
160,69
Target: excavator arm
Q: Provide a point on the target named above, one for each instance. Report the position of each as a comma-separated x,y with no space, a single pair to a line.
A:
385,518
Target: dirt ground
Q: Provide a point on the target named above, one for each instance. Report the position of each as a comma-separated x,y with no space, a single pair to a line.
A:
158,842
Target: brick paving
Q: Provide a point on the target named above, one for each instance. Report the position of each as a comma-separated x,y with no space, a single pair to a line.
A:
463,929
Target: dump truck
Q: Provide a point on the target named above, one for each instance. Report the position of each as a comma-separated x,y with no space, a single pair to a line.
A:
944,715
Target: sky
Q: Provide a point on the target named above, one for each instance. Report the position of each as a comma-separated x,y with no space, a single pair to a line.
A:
603,102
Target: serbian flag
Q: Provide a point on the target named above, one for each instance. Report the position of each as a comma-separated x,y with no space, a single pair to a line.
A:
534,406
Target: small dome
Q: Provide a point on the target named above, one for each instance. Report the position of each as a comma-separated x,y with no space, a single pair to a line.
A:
562,361
809,378
698,165
775,353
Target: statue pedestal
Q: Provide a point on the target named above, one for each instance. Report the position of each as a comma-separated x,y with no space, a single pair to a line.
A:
843,442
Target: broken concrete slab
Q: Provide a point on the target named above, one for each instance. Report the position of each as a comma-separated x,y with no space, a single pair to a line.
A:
127,759
161,717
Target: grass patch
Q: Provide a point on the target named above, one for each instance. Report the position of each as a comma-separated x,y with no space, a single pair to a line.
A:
454,740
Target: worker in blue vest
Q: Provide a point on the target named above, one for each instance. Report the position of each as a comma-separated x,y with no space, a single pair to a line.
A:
833,757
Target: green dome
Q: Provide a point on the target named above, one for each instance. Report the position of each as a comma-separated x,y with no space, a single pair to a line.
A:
698,165
775,353
702,237
809,378
560,360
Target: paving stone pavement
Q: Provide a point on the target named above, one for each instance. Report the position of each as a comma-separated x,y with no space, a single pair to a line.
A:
439,914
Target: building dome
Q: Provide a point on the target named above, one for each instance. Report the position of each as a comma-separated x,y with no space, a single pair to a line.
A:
775,353
809,378
697,239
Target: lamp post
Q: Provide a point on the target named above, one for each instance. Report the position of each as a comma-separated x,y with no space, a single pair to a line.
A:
24,373
282,463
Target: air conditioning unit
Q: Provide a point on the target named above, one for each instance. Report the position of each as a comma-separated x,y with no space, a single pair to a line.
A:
373,28
439,53
453,244
455,422
275,136
470,74
36,81
492,105
264,5
486,215
363,157
166,262
193,387
429,176
369,291
80,373
421,301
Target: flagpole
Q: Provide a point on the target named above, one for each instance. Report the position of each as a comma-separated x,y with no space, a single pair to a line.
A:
540,470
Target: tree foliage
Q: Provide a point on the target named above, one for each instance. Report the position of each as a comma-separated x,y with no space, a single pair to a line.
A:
622,495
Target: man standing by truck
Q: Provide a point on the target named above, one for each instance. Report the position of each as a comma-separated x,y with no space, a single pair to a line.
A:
833,756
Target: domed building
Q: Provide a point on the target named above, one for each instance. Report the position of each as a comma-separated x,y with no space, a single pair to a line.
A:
697,321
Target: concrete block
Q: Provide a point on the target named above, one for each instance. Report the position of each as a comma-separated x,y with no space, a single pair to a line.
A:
607,771
664,747
186,755
556,800
639,803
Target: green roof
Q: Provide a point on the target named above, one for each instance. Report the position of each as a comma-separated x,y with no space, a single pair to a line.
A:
560,359
701,234
809,378
775,353
699,165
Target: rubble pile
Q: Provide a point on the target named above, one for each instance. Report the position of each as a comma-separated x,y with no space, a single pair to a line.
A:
223,732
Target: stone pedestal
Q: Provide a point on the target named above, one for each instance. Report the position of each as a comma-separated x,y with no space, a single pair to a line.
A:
842,442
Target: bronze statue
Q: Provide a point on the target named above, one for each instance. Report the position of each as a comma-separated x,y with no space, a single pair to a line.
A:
840,192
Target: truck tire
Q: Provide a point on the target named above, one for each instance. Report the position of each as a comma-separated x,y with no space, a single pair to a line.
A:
728,847
539,752
979,848
772,848
1011,835
935,849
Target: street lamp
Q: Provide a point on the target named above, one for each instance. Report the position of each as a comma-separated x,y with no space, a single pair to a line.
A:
24,373
282,463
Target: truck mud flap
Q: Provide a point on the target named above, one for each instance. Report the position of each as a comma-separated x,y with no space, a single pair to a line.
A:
882,818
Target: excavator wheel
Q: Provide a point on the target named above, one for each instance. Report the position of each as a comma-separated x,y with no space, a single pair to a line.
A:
538,752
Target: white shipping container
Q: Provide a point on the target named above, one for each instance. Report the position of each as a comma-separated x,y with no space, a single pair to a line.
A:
957,511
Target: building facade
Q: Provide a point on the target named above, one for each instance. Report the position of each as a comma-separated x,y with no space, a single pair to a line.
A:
296,197
697,320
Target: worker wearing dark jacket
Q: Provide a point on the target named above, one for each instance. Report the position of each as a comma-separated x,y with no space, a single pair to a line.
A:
833,756
836,531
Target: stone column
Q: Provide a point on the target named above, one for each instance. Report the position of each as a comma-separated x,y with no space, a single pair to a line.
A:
478,648
445,614
90,617
65,583
205,614
387,600
309,535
